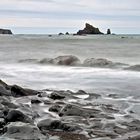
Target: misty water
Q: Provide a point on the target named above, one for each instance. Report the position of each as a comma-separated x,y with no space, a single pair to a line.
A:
31,48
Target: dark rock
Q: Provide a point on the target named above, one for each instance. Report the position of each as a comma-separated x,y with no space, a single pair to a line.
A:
23,131
56,96
97,62
55,108
17,91
67,136
73,110
50,124
62,60
5,31
81,92
66,60
133,68
101,133
35,101
4,89
16,115
67,33
108,31
89,29
60,34
9,105
2,122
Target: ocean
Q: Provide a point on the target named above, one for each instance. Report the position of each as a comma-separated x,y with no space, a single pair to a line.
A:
20,56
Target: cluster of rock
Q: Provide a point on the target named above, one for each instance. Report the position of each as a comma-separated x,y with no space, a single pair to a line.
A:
5,31
89,29
71,60
63,115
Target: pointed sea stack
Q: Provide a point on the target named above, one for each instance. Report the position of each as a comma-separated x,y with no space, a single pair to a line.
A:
89,29
5,31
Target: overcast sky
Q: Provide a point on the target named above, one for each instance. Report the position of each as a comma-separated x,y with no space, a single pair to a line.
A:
53,16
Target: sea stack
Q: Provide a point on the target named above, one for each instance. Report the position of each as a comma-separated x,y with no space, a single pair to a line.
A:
89,29
108,31
5,31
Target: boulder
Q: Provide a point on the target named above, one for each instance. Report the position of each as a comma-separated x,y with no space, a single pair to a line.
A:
18,91
35,101
66,60
74,110
5,31
133,68
55,108
16,115
4,89
53,124
23,131
61,60
60,34
89,29
100,62
67,33
56,96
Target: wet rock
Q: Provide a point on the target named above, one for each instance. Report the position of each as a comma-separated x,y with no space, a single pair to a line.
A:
2,122
23,131
101,133
60,34
9,105
35,101
92,62
5,31
81,92
55,108
89,29
135,135
73,110
1,114
56,96
67,33
133,68
16,115
4,89
120,130
50,124
17,91
69,60
67,136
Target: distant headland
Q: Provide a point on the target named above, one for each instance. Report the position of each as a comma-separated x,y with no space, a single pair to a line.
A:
5,31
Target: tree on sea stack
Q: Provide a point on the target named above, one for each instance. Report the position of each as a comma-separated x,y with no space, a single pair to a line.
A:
108,31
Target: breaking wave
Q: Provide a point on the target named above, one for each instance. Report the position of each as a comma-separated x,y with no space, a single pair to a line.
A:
70,60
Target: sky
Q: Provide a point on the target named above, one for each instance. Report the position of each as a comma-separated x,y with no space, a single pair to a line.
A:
54,16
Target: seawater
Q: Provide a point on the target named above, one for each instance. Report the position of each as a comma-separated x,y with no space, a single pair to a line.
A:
117,48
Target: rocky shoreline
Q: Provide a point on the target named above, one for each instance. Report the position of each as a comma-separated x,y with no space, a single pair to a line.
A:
27,114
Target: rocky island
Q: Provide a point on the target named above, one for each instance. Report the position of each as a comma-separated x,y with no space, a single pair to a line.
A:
5,31
89,29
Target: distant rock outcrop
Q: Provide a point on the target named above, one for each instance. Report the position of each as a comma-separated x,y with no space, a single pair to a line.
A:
108,31
5,31
89,29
